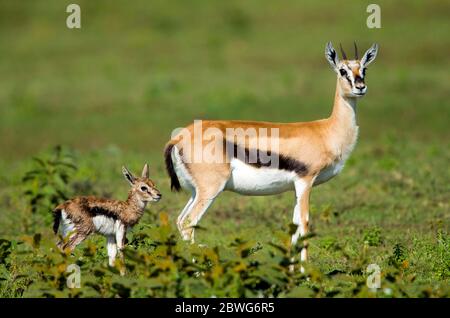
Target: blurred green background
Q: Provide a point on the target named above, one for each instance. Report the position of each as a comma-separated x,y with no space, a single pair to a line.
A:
113,91
135,70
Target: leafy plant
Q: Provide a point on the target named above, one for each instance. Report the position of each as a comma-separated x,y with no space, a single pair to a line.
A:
373,237
398,256
442,265
47,182
5,250
160,264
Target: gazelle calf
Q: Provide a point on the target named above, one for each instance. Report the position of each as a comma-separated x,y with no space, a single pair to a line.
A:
79,217
308,153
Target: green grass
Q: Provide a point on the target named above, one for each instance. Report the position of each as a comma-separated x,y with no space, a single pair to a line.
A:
113,91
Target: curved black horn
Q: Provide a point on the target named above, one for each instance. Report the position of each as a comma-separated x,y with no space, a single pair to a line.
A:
344,56
356,51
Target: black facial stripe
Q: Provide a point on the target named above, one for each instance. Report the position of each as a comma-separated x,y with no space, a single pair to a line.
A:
344,72
347,77
359,79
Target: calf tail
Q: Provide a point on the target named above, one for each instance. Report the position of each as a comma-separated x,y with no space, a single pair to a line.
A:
56,219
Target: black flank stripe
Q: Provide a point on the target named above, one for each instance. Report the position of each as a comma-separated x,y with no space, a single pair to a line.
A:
284,162
95,211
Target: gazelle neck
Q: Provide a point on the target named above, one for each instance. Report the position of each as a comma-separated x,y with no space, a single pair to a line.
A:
343,131
344,109
134,202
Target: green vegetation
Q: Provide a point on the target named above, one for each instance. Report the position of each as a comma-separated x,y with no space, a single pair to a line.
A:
112,92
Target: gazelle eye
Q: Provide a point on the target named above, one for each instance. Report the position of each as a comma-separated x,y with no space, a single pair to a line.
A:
144,189
342,72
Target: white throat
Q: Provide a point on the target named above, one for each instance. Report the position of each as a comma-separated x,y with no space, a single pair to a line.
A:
142,204
344,132
350,104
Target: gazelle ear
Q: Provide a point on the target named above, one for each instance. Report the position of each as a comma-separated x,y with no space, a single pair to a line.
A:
145,172
128,175
331,56
370,55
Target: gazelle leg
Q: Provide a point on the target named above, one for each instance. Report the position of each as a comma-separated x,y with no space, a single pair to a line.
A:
183,212
120,239
202,201
207,181
112,249
193,216
301,215
73,241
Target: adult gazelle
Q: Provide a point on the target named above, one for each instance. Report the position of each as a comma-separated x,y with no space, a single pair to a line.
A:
264,158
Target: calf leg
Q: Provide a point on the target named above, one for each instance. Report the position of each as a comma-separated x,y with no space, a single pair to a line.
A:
73,241
120,239
111,247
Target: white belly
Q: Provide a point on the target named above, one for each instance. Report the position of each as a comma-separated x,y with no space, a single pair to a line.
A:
66,226
246,179
329,172
105,225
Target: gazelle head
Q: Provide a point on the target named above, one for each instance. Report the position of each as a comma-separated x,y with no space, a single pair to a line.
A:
142,188
351,73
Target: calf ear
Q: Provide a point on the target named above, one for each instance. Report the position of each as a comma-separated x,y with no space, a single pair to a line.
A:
370,55
331,56
128,175
145,172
